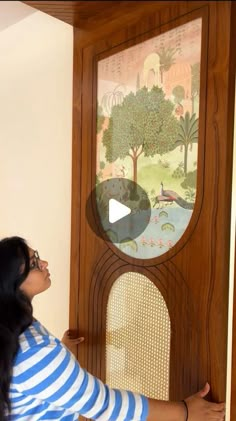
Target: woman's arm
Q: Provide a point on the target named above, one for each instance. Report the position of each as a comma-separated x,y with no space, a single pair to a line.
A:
195,406
166,411
198,409
48,372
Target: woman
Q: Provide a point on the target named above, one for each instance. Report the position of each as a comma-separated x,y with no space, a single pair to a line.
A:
41,380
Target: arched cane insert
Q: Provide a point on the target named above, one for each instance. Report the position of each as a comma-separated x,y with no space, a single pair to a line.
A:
137,337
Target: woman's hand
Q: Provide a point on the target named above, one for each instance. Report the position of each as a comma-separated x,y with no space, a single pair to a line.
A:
198,409
201,410
69,341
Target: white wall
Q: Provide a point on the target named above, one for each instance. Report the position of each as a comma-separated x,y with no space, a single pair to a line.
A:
35,149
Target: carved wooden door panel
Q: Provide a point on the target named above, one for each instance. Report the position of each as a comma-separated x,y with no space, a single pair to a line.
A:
153,309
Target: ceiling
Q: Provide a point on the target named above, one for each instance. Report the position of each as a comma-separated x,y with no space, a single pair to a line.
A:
12,12
86,15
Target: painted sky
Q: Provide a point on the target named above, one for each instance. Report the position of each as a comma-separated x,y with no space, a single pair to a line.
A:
123,67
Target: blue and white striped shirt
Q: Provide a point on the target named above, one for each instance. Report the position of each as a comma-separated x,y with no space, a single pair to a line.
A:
49,384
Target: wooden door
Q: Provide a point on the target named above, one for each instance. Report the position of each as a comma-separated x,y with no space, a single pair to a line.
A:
192,277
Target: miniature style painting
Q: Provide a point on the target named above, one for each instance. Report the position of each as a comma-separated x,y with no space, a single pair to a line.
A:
147,131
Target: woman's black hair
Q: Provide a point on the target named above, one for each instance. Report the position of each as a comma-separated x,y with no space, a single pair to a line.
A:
15,310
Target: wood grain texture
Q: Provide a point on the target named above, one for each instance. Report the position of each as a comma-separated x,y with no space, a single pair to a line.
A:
88,15
76,197
233,381
232,127
194,278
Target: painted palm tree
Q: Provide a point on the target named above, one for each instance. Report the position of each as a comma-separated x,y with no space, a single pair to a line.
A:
188,134
166,59
112,98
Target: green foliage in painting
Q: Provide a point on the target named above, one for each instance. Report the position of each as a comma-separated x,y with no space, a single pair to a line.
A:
112,98
190,195
100,119
187,135
128,242
167,227
178,172
163,213
167,58
179,93
143,124
138,82
195,82
102,165
190,180
112,235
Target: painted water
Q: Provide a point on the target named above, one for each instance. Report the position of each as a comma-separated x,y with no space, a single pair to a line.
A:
166,227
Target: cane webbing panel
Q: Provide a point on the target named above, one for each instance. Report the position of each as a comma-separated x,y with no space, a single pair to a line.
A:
137,337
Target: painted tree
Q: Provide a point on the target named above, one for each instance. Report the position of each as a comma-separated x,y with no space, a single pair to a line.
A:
167,58
100,118
112,98
143,124
190,180
179,93
187,135
138,82
195,82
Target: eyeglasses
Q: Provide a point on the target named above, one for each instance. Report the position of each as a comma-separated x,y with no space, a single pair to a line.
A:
34,261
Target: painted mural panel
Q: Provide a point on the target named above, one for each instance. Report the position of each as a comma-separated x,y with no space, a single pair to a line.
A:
147,129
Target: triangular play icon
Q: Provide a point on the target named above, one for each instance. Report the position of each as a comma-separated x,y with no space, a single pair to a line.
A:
117,210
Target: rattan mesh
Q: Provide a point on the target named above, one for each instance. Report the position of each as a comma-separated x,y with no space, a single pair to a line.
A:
137,337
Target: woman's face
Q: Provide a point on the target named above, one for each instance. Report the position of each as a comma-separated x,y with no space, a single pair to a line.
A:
38,279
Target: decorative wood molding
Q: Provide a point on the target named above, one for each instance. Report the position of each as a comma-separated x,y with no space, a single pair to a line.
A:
85,15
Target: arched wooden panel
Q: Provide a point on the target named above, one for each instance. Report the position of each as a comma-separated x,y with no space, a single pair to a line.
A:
174,290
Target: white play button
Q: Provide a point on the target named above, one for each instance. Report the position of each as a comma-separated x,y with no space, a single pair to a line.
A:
118,218
117,211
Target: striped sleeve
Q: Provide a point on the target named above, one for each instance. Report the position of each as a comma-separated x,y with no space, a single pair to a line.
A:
50,373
